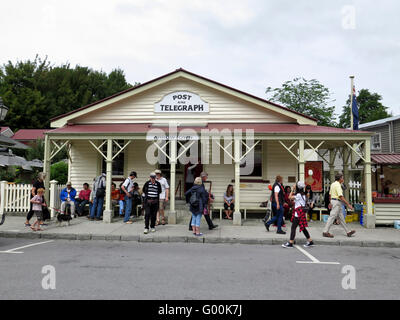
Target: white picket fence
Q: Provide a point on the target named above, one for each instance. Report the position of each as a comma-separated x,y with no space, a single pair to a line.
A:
354,190
16,197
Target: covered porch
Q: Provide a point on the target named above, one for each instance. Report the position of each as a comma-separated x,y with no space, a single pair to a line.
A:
223,150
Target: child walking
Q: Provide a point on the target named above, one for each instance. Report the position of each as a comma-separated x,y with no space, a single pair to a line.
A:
37,204
299,215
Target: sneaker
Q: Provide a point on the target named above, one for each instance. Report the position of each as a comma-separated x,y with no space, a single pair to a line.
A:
267,226
153,230
309,244
146,231
129,222
281,232
287,245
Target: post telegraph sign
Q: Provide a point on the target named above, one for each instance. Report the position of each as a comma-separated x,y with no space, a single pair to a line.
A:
181,102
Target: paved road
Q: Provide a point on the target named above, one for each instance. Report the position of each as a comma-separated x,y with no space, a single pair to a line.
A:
131,270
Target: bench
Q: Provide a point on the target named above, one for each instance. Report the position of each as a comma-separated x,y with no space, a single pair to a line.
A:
244,207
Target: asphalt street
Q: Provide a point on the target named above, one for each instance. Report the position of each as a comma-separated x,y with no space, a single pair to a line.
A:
133,270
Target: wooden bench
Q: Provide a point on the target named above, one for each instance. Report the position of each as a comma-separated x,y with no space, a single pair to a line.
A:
244,207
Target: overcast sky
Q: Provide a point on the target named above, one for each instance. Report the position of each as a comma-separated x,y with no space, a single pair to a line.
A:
249,45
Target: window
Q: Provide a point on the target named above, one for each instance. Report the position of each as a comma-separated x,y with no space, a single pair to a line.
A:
118,162
376,142
257,168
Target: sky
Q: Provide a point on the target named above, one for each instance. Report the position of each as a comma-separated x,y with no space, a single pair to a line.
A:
249,45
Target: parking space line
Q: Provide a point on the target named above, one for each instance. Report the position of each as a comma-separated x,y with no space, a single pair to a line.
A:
312,258
23,247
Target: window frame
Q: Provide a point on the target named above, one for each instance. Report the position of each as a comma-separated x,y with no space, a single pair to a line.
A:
379,135
260,148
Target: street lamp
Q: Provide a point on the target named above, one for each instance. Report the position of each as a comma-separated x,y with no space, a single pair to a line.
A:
3,110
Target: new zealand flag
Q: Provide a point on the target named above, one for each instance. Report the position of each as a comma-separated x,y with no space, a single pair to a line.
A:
354,110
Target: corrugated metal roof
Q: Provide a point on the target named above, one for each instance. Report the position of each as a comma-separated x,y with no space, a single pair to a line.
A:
257,127
29,134
386,158
378,122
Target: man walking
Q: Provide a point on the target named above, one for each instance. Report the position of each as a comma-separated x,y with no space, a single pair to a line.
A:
278,200
163,197
127,188
67,197
151,192
337,199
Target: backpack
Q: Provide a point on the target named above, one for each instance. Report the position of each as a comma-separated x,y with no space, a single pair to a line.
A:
194,199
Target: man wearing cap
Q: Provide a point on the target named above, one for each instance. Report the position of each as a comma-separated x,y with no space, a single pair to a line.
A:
151,191
67,197
163,196
211,225
127,187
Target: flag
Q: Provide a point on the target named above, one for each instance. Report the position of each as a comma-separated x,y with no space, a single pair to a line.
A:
354,110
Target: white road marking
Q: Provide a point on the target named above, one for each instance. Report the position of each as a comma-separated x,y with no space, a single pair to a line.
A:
312,258
27,246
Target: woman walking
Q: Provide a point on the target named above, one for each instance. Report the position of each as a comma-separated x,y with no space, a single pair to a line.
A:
38,184
198,200
299,215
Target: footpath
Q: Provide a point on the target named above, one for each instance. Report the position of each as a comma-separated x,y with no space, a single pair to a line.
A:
251,232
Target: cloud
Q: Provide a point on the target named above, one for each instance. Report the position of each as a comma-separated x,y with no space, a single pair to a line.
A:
246,44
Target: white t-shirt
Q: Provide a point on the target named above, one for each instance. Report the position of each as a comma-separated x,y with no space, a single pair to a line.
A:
299,201
277,189
128,184
164,186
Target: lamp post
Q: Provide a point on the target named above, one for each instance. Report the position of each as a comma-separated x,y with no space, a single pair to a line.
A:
3,110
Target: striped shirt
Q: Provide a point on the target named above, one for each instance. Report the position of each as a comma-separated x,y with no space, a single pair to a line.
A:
152,190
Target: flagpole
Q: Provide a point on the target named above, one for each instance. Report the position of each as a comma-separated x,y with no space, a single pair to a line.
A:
353,158
351,102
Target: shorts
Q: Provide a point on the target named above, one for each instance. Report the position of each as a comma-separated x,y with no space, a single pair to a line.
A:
39,214
162,204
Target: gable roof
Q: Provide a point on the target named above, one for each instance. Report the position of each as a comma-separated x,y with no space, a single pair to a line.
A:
63,119
29,134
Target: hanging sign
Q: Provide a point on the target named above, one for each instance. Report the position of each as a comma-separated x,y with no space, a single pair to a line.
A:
181,102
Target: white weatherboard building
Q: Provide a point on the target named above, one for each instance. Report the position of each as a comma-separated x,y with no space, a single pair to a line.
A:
128,130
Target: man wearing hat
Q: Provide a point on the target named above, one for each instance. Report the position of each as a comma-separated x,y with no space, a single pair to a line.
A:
163,196
67,197
127,187
151,191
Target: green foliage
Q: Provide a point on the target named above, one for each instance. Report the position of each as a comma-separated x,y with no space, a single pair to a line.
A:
308,97
36,151
36,91
369,109
59,172
9,173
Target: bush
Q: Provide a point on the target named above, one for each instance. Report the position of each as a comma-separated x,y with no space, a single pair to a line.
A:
59,172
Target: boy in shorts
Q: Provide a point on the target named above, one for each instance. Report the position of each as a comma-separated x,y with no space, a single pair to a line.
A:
37,204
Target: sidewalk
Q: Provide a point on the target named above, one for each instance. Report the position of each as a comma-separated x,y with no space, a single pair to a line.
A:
252,232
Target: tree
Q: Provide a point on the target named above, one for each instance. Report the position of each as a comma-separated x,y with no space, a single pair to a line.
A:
308,97
36,91
59,172
369,109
